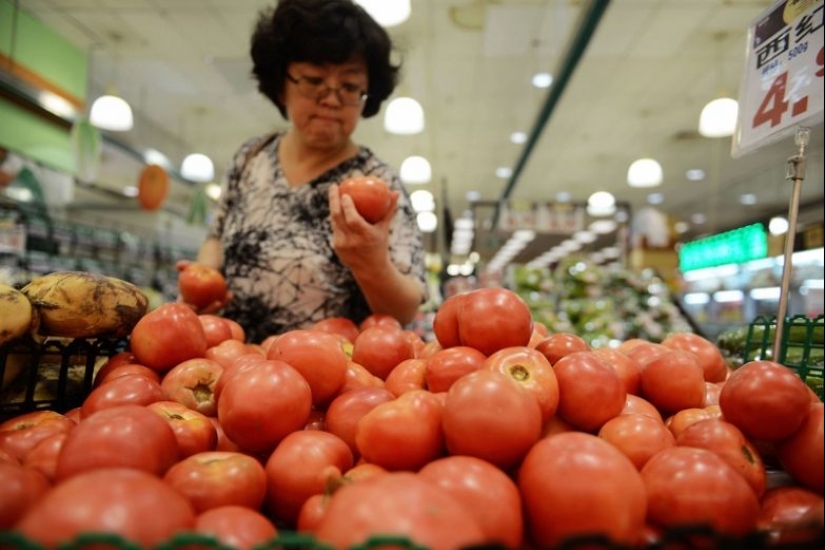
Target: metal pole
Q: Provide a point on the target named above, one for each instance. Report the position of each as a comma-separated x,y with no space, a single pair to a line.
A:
795,172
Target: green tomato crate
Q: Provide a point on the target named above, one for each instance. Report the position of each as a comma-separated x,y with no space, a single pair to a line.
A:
801,347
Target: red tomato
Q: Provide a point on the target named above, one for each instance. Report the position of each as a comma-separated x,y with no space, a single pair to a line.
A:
487,492
192,383
445,322
713,364
236,527
448,365
725,439
530,369
317,356
639,405
194,431
408,375
712,391
590,391
215,328
673,381
575,484
125,369
237,365
490,319
687,486
166,336
379,319
260,406
398,504
642,351
402,434
22,489
132,389
312,512
629,370
802,454
348,408
358,377
317,420
429,349
342,326
637,436
379,349
224,443
371,196
680,421
238,332
123,501
489,416
556,425
201,285
129,436
555,346
784,513
227,351
219,478
43,456
765,400
294,470
19,434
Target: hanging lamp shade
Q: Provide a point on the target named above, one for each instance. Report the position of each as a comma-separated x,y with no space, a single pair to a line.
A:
644,173
110,112
387,13
153,187
416,170
718,118
198,167
404,116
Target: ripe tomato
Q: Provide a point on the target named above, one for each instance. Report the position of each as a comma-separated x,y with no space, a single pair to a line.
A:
346,410
194,432
802,454
215,328
19,434
192,383
639,405
489,416
408,375
629,370
687,486
371,196
43,456
342,326
22,488
129,436
236,527
124,369
562,498
358,377
402,434
487,492
235,366
294,470
637,436
784,511
260,406
132,389
448,365
123,501
201,285
680,421
445,322
380,348
529,368
317,356
725,439
166,336
713,364
219,478
712,391
765,400
490,319
590,391
557,345
227,351
398,504
380,319
673,381
642,351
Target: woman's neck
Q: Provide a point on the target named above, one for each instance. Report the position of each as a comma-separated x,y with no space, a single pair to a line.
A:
301,163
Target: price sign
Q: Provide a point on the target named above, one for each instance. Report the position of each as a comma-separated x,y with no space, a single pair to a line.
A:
782,83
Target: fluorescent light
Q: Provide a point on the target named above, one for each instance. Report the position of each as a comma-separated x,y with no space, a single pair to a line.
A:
695,174
518,137
718,272
718,118
542,80
769,293
728,296
747,199
404,116
655,198
817,284
503,172
697,298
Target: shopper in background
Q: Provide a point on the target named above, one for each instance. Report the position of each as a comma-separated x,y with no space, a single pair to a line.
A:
293,249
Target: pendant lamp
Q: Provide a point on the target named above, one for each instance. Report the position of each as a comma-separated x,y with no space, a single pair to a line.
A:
718,118
111,112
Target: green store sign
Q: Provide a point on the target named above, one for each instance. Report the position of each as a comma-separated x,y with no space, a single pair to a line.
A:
731,247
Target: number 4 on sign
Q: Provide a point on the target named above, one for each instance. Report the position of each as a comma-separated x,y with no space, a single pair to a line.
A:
774,105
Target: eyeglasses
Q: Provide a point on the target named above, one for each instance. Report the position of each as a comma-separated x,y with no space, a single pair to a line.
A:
315,88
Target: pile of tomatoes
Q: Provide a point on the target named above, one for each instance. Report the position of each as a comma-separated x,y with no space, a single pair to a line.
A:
496,432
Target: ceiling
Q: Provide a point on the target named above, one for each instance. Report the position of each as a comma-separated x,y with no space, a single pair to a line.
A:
647,71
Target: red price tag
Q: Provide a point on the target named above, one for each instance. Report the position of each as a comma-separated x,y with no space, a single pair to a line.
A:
782,85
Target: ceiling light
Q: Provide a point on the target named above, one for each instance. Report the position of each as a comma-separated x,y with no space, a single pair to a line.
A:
718,118
698,218
681,227
198,167
473,196
601,203
387,13
57,105
130,191
695,174
427,221
747,199
213,191
542,80
778,226
415,170
110,112
153,156
585,237
422,201
564,196
644,173
603,227
503,172
518,137
655,198
404,116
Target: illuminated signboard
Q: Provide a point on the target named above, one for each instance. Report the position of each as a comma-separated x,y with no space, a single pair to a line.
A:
731,247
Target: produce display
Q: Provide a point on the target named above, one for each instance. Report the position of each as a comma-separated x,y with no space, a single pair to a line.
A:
499,433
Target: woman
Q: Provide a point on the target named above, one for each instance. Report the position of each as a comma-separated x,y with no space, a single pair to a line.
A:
293,249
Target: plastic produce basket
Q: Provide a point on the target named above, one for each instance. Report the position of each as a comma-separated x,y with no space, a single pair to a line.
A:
56,374
801,348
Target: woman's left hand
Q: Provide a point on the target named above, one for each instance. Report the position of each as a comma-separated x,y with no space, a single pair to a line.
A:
358,243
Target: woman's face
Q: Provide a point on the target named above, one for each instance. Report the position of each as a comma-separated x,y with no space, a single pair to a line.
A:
324,101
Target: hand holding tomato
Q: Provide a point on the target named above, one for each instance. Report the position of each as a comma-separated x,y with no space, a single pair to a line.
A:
356,241
202,286
370,195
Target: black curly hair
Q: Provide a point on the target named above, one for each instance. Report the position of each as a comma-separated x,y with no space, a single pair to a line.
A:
321,32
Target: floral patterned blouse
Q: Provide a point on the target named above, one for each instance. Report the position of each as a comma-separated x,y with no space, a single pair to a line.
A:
277,242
